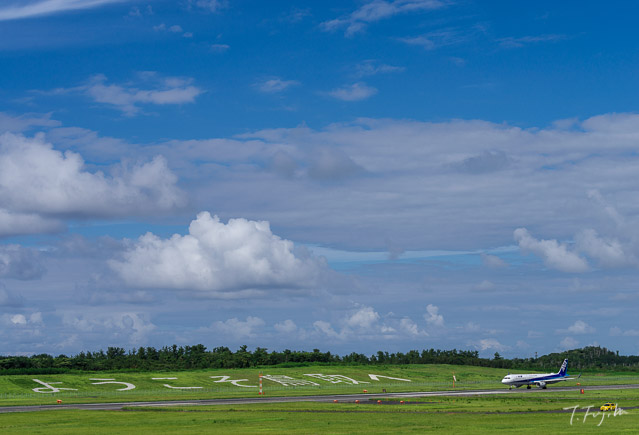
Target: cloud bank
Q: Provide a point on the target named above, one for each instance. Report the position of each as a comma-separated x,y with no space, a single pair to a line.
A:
40,185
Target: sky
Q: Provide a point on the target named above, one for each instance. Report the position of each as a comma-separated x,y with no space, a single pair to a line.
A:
351,176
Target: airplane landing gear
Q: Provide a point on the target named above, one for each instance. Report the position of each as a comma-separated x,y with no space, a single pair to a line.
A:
528,387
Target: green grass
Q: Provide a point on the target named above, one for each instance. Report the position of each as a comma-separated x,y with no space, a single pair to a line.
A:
474,414
17,390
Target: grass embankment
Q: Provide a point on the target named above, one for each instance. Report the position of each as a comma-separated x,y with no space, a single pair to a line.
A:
18,389
513,413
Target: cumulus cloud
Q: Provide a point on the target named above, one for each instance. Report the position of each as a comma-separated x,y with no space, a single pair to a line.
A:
21,263
411,328
490,344
33,319
579,327
364,318
365,323
13,10
326,328
377,10
554,254
356,92
608,252
39,183
432,316
217,257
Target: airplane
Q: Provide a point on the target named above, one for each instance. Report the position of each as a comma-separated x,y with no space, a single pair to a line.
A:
539,379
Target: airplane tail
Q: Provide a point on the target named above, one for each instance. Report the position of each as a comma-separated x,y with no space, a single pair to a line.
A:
564,366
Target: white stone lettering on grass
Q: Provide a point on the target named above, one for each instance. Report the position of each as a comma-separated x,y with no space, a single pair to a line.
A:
182,388
336,379
376,378
233,381
175,388
127,386
49,386
287,381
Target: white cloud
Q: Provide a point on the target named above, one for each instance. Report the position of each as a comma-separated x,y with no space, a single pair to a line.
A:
39,183
238,329
433,40
13,10
579,327
355,92
175,28
326,329
371,68
286,327
554,254
432,316
409,327
33,319
377,10
217,257
18,319
219,48
608,252
364,318
171,90
275,85
208,5
490,344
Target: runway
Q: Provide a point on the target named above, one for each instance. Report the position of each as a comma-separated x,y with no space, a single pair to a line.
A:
345,398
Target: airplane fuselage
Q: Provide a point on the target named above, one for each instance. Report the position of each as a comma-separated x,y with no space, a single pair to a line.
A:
538,379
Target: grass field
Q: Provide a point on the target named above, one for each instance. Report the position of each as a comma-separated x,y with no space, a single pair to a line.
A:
513,413
99,387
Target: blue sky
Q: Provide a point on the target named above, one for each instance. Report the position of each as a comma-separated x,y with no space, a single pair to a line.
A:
352,176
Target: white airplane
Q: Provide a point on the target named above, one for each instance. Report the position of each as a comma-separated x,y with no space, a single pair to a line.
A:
538,379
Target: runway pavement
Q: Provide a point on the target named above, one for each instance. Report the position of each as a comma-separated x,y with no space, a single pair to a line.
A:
288,399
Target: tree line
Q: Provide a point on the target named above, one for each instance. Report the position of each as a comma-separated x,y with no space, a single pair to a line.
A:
198,357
